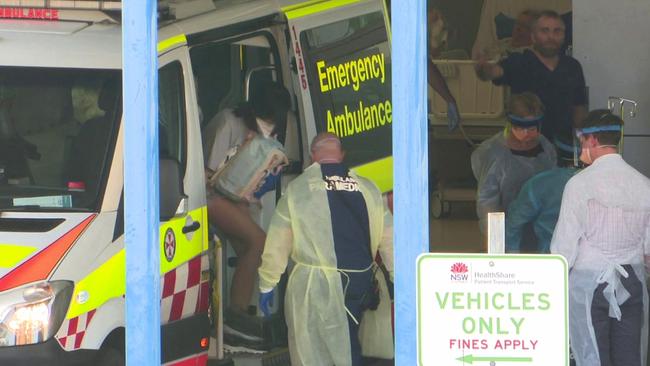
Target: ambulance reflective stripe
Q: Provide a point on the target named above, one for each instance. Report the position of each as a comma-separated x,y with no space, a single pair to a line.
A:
13,254
72,331
379,171
187,246
172,42
312,7
94,289
39,267
106,282
184,291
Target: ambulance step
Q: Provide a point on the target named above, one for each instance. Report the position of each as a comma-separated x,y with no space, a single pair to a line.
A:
275,357
224,362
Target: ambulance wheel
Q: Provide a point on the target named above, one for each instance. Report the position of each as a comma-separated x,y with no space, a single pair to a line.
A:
439,208
110,357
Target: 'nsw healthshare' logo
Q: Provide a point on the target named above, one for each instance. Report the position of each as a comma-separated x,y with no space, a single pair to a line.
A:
459,272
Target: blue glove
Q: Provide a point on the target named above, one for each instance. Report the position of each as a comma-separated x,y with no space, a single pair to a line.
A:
453,117
269,184
266,301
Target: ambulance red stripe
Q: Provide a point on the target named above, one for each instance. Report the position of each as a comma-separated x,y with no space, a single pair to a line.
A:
200,360
40,266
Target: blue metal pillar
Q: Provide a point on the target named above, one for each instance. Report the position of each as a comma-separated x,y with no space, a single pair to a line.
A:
411,165
139,59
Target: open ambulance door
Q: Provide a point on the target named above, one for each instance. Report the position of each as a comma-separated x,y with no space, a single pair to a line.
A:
184,265
343,74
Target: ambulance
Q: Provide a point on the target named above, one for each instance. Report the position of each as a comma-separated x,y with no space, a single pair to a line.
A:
62,257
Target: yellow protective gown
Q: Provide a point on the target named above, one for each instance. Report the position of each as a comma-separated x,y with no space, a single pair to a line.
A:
301,229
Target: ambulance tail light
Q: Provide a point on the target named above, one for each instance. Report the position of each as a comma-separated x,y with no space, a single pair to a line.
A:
33,314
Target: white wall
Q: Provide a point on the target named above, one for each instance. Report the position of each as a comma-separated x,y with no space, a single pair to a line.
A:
612,42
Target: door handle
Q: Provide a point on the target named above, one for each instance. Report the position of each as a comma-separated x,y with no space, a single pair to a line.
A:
191,227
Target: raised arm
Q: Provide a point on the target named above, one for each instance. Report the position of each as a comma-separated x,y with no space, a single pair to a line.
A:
437,82
488,71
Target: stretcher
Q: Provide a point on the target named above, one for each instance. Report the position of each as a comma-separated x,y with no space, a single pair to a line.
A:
481,106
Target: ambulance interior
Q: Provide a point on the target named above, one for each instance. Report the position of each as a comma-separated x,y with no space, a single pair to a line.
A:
57,131
464,28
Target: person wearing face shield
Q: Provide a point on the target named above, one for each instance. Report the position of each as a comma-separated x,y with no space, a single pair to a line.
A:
538,203
331,223
603,231
503,163
556,78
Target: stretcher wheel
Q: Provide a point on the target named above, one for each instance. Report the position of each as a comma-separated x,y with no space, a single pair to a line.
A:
439,208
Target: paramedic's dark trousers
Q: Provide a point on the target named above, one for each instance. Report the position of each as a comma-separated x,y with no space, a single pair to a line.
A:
619,342
359,285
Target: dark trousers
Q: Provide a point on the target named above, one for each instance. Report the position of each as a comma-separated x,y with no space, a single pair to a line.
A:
619,342
359,285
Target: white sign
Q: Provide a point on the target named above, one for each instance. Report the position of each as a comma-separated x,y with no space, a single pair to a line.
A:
492,310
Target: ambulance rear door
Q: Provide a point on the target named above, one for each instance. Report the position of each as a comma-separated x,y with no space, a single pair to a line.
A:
343,71
184,263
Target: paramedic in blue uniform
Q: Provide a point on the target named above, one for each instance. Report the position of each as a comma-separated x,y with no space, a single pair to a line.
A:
331,223
556,78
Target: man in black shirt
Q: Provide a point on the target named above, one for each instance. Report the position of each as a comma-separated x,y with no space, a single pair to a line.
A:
556,78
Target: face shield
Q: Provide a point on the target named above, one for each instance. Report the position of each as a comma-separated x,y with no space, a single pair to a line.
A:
523,127
568,152
590,130
583,132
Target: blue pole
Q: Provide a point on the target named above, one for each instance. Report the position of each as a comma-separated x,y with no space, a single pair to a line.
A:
411,166
139,59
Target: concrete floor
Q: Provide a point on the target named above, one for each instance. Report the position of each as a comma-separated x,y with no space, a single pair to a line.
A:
458,233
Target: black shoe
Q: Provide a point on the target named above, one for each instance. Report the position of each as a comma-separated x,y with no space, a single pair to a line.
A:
260,333
243,330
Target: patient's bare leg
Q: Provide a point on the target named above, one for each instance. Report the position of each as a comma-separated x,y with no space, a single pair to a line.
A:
234,219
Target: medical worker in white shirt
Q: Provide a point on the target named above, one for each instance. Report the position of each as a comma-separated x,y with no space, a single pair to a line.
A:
604,233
